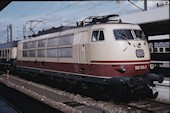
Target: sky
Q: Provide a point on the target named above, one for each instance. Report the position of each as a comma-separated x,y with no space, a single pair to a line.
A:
57,13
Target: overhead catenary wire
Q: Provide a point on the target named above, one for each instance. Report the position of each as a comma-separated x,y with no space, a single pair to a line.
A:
77,13
56,11
56,19
28,11
36,7
63,9
93,7
24,14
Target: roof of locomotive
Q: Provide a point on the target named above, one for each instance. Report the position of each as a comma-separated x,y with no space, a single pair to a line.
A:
53,30
64,30
89,21
8,45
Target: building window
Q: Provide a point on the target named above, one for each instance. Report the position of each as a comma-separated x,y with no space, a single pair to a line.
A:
155,49
161,49
3,53
97,36
167,49
6,53
150,49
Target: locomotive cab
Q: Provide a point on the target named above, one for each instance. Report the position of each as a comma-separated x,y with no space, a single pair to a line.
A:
123,47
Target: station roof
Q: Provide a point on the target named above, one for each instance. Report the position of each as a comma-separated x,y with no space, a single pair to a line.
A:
4,3
153,22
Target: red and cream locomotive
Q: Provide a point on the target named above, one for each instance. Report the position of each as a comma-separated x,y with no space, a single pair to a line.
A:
99,50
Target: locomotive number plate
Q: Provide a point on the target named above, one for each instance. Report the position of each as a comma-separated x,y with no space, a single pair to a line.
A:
141,67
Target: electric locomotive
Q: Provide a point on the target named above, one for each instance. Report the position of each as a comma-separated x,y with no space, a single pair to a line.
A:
98,51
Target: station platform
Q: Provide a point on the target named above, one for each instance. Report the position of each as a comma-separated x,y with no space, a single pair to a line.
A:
163,90
6,107
55,98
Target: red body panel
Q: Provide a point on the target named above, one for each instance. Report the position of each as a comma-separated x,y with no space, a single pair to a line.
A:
90,69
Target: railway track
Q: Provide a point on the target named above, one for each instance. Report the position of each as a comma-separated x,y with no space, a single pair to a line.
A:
78,104
149,106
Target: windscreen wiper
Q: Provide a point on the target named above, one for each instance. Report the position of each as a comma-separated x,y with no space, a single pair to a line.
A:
123,38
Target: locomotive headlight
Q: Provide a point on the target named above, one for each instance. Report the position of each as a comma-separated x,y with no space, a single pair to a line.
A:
120,68
123,68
